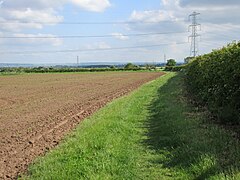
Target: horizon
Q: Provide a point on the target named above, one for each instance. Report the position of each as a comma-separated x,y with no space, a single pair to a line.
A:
30,65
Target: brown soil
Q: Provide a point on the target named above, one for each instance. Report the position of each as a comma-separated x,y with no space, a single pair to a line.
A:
37,110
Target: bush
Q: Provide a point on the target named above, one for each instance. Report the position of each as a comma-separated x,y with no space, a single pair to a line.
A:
130,66
63,70
214,80
171,62
175,68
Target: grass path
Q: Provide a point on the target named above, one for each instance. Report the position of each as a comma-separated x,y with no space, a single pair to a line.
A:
150,134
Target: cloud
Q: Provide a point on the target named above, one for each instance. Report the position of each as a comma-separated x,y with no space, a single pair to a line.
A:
152,16
205,3
33,4
93,5
14,20
32,39
220,21
212,11
177,11
89,5
30,15
97,45
1,2
156,21
35,11
120,36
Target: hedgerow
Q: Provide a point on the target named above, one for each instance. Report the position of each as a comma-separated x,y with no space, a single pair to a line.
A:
175,68
214,81
62,70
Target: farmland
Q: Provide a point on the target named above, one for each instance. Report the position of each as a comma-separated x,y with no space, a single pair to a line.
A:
153,133
125,90
37,110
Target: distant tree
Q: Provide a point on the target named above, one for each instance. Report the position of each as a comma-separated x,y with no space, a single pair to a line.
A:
40,67
113,67
171,62
130,66
150,66
188,59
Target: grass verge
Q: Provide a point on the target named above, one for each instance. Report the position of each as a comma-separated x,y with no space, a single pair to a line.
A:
150,134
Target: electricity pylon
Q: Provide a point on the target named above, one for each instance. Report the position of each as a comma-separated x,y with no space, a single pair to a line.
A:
195,26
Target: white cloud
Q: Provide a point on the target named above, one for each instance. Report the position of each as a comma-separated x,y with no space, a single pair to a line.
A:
36,39
89,5
30,15
120,36
97,45
156,21
103,45
212,11
32,39
15,26
93,5
220,21
18,16
36,11
18,24
33,18
1,2
205,3
151,16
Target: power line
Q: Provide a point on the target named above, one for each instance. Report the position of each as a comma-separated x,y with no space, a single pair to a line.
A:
90,50
222,34
87,36
214,43
194,27
16,21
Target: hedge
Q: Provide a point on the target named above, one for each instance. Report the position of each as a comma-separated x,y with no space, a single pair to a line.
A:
175,68
214,81
62,70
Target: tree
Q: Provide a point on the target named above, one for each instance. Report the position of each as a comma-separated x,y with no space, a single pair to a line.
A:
188,59
171,62
130,66
113,67
150,66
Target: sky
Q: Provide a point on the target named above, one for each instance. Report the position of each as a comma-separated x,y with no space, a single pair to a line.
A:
41,31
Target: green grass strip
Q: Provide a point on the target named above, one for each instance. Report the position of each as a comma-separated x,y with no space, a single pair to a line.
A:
150,134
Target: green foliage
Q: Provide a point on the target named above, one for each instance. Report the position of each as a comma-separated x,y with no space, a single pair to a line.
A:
63,70
150,66
214,80
175,68
113,67
171,62
131,66
188,59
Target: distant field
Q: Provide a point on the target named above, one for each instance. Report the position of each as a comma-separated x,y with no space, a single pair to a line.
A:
36,110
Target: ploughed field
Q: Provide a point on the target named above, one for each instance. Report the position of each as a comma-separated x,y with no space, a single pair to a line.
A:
37,110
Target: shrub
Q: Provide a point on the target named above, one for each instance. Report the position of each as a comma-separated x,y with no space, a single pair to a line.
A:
131,66
214,80
171,62
175,68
